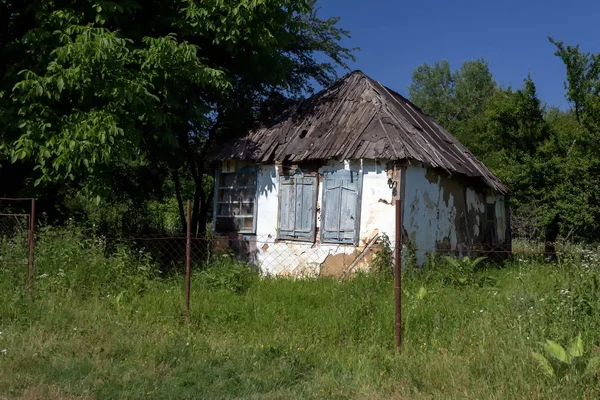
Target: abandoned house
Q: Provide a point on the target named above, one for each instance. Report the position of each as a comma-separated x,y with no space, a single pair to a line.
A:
313,192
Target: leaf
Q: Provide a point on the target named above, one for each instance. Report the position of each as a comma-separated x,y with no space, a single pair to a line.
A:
452,261
544,364
60,84
421,293
557,351
477,261
576,347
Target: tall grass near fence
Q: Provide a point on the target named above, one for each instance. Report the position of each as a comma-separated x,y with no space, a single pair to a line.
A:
108,324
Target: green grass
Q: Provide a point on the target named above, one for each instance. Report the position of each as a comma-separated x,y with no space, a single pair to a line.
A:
111,327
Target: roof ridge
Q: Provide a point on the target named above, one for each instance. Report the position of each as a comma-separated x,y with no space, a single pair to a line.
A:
358,117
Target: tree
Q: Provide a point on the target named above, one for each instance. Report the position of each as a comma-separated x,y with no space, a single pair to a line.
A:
583,77
432,89
90,88
544,156
453,98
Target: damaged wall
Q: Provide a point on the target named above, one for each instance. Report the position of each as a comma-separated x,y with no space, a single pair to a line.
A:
450,215
287,257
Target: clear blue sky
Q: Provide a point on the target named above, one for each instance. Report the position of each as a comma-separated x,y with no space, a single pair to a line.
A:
396,36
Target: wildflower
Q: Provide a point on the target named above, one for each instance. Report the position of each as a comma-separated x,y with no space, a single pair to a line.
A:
3,351
187,344
481,310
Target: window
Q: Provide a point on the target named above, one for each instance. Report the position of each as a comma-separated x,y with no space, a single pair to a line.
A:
340,221
490,212
235,201
490,216
297,203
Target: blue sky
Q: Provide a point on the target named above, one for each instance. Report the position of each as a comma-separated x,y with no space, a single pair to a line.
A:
397,36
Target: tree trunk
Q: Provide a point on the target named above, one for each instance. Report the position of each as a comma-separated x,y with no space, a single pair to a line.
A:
551,235
177,182
196,208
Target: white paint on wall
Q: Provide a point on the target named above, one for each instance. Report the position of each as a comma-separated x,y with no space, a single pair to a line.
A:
500,215
428,218
432,219
286,257
475,204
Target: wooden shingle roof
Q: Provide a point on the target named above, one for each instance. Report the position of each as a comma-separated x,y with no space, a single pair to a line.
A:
357,117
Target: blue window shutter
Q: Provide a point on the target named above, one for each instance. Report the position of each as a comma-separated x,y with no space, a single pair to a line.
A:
287,203
297,198
341,207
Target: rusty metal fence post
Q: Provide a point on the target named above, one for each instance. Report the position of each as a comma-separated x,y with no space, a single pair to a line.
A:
188,254
398,274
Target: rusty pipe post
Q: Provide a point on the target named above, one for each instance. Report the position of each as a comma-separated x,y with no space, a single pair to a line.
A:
30,243
188,254
398,269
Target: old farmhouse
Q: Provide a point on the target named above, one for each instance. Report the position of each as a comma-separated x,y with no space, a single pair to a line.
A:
314,190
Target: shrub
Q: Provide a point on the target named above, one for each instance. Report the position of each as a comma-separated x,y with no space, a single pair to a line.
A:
226,273
67,260
383,262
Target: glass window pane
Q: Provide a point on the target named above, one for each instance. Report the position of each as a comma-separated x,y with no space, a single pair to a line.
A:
236,194
227,179
225,225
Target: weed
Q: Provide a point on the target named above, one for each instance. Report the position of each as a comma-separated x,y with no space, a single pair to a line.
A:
105,324
559,362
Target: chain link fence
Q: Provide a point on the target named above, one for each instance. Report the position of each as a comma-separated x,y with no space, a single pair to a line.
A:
274,257
17,227
267,254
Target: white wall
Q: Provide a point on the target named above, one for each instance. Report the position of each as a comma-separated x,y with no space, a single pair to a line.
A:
442,212
288,257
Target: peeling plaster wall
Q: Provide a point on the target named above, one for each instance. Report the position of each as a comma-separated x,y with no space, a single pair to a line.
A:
441,213
286,257
448,214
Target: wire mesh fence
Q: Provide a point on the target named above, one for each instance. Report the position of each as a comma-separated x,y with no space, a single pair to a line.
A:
274,257
266,253
17,228
14,238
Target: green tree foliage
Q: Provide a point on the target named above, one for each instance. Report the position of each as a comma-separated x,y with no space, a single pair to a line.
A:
545,155
453,98
96,93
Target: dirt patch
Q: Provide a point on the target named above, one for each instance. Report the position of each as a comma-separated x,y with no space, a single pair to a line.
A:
335,265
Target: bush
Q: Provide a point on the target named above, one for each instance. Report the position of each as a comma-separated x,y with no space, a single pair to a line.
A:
383,262
226,273
66,260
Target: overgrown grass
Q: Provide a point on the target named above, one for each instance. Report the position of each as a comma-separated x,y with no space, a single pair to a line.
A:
111,327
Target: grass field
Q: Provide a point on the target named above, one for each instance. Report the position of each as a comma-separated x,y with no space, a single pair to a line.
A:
108,327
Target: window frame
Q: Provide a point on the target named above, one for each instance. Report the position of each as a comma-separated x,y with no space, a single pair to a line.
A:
216,203
490,223
355,240
315,186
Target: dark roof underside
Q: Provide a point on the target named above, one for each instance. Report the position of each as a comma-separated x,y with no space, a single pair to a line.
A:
356,118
